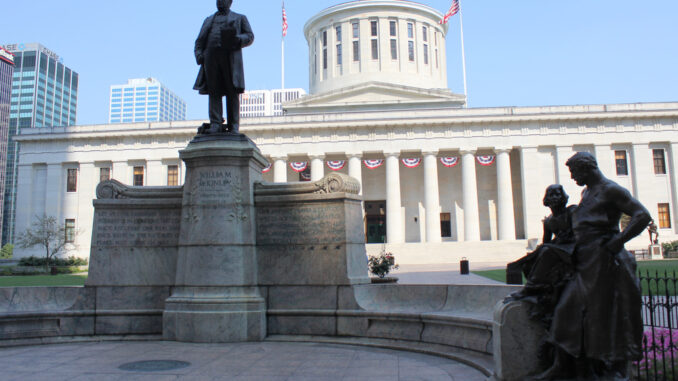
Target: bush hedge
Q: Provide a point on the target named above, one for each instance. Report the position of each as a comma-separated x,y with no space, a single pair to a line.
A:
59,262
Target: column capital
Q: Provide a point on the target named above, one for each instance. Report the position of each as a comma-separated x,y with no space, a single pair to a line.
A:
395,154
467,151
430,152
279,157
502,149
357,155
86,164
316,156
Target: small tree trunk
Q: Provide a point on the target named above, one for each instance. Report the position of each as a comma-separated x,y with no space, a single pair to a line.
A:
47,261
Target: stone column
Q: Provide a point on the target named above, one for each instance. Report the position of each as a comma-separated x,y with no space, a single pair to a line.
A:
470,195
120,172
216,297
606,160
673,176
317,166
355,168
56,188
155,172
394,218
30,198
432,197
642,167
505,215
88,181
279,169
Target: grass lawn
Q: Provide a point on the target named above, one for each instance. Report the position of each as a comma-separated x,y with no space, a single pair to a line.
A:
43,280
653,267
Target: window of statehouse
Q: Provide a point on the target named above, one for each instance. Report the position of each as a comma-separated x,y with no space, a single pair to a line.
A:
138,180
445,225
69,230
104,174
72,180
659,161
172,175
621,163
664,216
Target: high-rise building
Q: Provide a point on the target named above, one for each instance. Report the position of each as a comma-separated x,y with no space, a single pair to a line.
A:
144,100
44,94
267,102
6,73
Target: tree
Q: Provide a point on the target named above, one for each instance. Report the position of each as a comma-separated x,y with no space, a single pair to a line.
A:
47,233
6,251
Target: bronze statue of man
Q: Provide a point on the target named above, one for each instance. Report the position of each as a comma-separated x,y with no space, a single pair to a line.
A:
597,326
218,51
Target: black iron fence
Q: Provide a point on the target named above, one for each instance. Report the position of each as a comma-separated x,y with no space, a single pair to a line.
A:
660,320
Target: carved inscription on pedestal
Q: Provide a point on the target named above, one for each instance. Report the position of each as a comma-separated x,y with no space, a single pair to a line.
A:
301,224
216,186
137,227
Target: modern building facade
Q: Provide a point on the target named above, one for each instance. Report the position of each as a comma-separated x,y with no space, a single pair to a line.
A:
6,75
439,181
144,100
44,94
257,103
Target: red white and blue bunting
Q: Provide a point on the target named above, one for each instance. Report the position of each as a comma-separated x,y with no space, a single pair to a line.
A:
298,166
305,176
267,169
485,160
374,164
336,165
449,162
412,163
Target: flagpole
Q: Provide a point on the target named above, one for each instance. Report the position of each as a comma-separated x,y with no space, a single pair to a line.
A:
463,55
282,86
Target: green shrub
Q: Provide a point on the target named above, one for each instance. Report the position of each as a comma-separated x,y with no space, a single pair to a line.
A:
670,246
7,251
61,262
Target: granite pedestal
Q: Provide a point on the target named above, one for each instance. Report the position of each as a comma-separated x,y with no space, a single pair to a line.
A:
216,296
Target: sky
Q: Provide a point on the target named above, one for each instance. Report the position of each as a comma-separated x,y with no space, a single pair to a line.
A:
518,53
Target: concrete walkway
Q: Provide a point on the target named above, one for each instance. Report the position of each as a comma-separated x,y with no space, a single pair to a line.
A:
440,273
266,361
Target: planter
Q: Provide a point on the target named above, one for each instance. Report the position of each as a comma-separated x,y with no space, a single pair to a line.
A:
386,279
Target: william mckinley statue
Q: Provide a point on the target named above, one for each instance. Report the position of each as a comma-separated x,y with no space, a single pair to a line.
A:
218,51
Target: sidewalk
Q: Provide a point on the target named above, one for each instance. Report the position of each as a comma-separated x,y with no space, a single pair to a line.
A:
440,273
265,361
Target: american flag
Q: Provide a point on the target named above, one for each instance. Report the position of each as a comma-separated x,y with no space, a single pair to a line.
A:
284,21
454,9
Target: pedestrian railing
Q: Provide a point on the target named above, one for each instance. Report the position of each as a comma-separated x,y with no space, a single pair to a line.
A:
660,321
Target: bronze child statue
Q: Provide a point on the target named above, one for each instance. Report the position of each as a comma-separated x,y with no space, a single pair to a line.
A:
218,51
549,267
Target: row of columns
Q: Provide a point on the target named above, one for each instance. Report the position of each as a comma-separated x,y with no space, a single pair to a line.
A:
394,218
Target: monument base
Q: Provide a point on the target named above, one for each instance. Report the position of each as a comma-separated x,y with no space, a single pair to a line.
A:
216,298
215,315
655,252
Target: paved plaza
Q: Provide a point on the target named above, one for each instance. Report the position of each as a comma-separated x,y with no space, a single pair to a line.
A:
441,273
265,361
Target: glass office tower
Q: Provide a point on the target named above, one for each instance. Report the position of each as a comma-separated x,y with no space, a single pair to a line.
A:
6,73
144,100
44,94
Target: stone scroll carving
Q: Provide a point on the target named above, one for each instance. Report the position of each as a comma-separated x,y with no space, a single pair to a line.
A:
113,189
332,183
